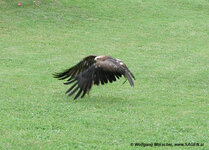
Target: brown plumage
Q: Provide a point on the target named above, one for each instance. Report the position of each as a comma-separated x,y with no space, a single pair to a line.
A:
94,70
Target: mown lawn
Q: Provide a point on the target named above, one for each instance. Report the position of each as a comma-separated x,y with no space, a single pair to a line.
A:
164,43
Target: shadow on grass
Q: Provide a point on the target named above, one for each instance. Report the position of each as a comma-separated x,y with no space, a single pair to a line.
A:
92,98
101,98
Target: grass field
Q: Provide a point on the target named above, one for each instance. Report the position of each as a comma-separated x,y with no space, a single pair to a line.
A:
164,43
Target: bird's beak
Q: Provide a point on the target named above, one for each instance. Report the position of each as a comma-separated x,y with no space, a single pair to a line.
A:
96,59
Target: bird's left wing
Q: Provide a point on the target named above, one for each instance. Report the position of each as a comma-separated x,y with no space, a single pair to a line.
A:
83,65
99,72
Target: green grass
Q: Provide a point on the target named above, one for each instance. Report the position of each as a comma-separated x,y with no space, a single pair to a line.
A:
164,43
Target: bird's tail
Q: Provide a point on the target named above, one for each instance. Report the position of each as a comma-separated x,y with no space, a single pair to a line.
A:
129,77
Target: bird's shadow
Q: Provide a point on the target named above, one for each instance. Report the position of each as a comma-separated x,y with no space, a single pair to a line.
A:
94,99
99,99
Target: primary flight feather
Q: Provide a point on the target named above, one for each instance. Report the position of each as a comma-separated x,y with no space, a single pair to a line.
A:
94,70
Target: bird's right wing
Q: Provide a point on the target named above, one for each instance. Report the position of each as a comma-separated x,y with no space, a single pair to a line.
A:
83,65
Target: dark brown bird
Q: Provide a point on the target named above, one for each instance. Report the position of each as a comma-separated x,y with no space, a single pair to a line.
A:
94,70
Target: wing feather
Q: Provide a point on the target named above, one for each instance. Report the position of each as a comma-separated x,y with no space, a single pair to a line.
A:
83,65
74,91
71,87
78,94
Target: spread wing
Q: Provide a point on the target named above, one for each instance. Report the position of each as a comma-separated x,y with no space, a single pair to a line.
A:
84,64
99,73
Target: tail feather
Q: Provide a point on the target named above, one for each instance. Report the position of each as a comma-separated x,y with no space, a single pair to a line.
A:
129,78
131,74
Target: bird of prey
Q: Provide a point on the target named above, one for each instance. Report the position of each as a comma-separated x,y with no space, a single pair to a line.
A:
94,70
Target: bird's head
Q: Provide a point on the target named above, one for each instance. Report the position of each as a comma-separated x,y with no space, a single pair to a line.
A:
99,58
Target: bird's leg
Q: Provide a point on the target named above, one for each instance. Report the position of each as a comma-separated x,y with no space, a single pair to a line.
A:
124,82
